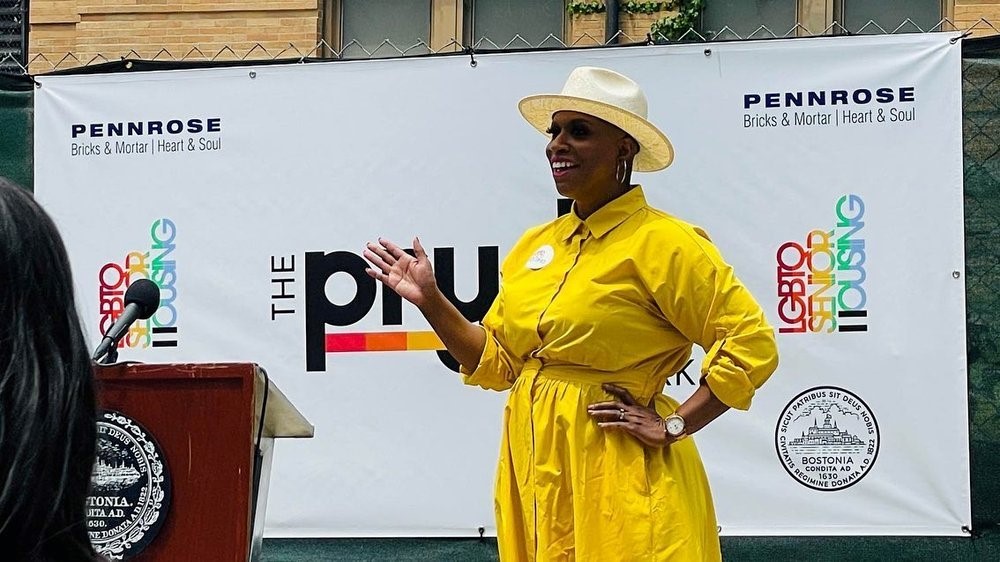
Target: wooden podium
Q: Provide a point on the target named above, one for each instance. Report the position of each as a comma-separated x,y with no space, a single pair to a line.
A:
206,418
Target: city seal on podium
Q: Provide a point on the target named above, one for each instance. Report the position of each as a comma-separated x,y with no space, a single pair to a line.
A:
130,488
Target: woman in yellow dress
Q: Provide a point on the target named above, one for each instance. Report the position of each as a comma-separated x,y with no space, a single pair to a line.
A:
596,309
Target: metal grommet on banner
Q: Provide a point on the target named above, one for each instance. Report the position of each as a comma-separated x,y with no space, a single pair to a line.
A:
956,274
253,74
128,64
708,52
472,56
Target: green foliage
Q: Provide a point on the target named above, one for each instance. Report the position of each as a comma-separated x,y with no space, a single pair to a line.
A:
629,7
632,7
672,28
580,8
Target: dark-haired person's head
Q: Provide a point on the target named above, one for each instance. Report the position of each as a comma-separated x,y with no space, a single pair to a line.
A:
47,411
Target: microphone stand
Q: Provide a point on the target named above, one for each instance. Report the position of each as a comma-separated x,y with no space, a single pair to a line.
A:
111,356
142,298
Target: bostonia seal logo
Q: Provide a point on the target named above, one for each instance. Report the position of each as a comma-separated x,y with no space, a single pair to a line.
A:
827,438
130,492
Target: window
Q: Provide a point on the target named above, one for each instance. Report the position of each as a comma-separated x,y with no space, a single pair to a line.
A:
854,14
747,16
497,22
366,25
13,35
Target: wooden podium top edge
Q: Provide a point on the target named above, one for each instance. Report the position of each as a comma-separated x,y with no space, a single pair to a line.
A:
136,370
282,419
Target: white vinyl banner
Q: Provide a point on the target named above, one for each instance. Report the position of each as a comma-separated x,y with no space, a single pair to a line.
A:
828,171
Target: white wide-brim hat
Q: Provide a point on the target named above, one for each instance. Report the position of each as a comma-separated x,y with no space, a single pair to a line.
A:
611,97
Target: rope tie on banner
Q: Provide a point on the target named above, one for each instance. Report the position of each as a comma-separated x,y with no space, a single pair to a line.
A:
472,56
964,34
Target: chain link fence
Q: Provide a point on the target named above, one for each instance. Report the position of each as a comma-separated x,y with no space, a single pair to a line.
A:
981,135
13,36
14,58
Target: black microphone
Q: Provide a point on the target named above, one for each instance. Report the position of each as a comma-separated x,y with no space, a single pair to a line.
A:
142,298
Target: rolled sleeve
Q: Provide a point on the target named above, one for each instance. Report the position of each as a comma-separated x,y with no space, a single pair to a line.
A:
498,367
735,366
701,296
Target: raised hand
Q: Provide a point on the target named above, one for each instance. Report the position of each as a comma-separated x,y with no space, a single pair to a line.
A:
412,277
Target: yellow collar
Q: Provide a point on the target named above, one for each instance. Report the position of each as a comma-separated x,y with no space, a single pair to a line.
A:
605,219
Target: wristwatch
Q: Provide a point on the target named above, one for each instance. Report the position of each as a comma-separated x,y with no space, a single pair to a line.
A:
674,427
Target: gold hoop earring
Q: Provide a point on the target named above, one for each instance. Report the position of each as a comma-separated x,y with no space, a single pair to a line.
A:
621,172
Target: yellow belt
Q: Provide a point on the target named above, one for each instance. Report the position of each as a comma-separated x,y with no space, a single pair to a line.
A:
642,386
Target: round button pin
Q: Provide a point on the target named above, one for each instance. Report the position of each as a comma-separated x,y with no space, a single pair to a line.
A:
542,257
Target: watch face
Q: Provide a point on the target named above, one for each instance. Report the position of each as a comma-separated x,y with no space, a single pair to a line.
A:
675,426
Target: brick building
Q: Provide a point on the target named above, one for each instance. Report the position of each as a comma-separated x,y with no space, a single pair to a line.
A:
201,29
